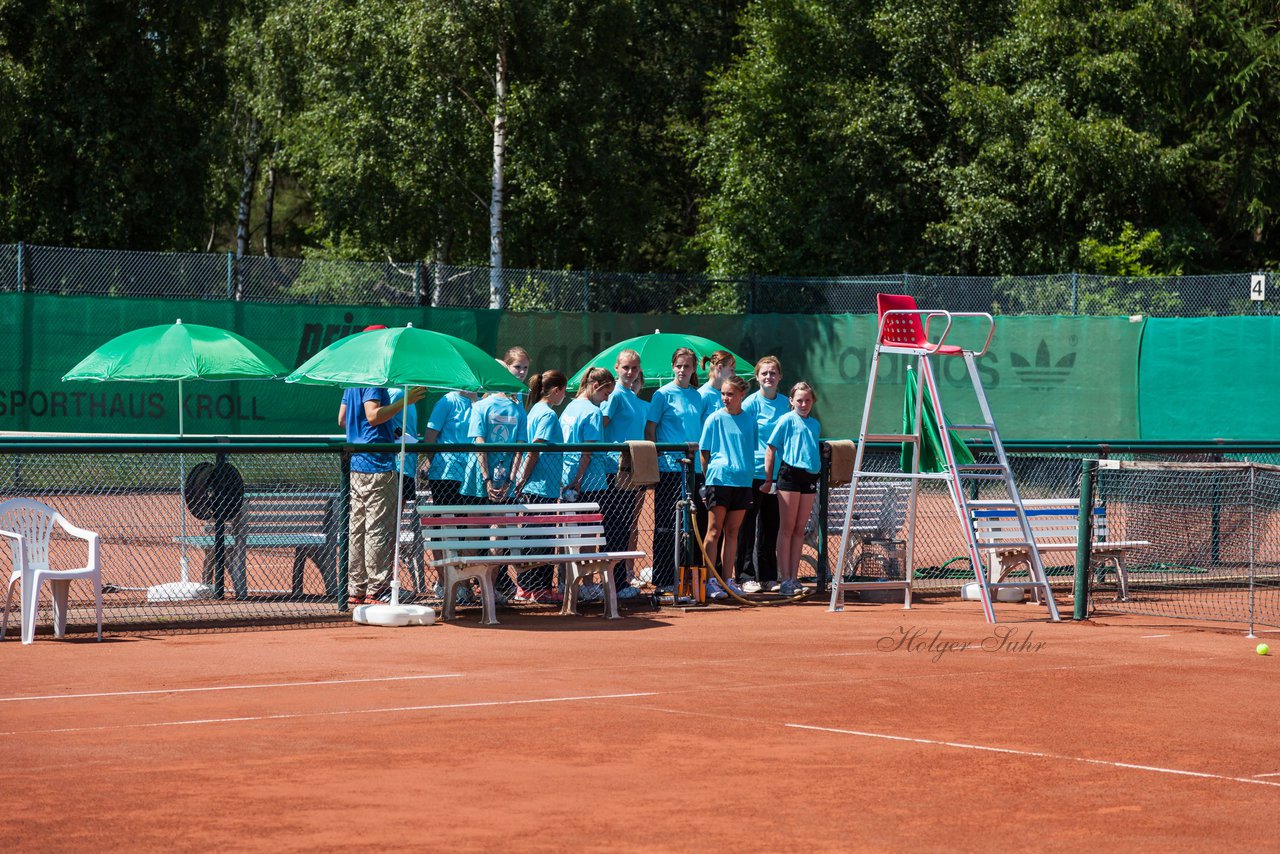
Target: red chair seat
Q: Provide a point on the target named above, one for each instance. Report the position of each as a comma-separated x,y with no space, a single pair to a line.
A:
907,330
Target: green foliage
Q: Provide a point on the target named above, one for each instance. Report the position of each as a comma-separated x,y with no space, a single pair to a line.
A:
111,134
1132,254
736,137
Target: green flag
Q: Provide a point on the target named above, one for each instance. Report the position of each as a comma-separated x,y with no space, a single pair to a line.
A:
931,457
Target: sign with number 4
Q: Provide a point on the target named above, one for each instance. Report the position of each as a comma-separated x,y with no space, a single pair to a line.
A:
1258,286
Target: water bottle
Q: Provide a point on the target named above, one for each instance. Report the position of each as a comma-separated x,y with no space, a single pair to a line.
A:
499,475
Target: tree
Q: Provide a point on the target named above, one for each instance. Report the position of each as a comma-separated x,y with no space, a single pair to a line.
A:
1080,120
112,122
829,132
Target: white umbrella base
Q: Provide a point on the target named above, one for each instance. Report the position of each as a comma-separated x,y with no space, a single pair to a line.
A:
177,591
972,592
393,615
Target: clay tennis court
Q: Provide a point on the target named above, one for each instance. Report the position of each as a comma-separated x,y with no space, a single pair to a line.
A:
776,728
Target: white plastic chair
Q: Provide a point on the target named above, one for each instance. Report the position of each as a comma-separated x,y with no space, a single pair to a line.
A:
28,525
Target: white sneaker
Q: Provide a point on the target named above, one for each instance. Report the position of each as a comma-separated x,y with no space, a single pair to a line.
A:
751,586
714,590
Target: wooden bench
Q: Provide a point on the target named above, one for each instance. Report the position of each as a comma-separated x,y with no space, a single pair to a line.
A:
479,541
1054,524
306,522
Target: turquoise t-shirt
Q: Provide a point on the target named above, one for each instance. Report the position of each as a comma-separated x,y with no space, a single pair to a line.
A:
450,418
711,403
582,421
711,400
677,412
496,418
731,442
625,411
544,426
795,441
767,413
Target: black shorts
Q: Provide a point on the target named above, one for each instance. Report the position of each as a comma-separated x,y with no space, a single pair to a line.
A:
793,479
730,497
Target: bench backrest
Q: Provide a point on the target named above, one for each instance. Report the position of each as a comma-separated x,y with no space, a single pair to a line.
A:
878,510
1051,520
534,528
289,512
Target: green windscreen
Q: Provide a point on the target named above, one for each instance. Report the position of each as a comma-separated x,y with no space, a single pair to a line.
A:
1210,378
1047,377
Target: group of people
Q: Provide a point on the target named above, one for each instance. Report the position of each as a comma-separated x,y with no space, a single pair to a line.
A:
756,467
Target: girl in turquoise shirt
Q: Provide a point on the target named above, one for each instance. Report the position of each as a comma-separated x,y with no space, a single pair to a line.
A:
674,415
539,481
727,447
447,424
794,442
758,540
584,471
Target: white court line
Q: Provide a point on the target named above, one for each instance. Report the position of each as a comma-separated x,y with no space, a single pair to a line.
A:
1156,636
228,687
340,713
1277,774
1035,754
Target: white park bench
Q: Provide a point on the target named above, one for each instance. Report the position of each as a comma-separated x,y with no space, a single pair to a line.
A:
478,541
1055,525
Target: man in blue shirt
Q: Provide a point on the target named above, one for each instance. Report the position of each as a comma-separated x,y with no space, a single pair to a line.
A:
366,415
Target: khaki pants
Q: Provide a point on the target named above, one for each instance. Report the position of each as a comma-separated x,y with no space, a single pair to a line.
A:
373,520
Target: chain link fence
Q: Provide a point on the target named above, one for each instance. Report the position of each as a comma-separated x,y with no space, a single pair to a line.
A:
59,270
1213,553
1213,529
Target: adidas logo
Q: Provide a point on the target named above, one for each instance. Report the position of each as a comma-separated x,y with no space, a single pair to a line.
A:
1044,373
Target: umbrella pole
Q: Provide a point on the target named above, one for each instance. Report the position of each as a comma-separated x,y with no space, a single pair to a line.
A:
182,493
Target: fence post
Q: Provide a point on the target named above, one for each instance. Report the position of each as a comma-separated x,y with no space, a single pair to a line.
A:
231,275
344,525
1075,294
22,266
1084,539
586,291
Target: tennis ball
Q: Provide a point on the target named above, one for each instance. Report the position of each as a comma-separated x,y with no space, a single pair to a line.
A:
1263,649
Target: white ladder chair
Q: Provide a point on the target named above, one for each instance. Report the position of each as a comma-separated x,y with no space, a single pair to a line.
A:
902,332
28,525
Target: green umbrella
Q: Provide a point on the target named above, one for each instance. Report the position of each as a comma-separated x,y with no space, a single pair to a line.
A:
655,356
177,351
931,454
404,357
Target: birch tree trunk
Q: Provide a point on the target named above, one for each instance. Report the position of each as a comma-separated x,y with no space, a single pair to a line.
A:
497,285
269,207
249,177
